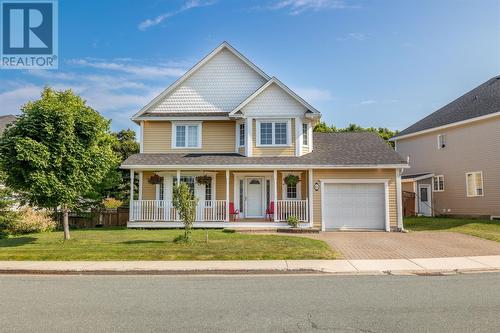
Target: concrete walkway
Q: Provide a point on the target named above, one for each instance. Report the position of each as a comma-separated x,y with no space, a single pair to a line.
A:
383,266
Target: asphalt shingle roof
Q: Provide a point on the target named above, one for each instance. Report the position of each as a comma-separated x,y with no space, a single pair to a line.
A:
480,101
330,149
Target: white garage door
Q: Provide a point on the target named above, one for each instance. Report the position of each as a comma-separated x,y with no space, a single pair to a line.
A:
354,206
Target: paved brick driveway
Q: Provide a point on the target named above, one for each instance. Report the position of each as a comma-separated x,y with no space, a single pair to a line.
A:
396,245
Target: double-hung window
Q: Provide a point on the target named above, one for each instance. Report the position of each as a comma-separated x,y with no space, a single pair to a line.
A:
187,136
474,182
441,141
273,133
438,183
241,130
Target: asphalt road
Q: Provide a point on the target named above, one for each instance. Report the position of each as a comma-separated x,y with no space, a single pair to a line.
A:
277,303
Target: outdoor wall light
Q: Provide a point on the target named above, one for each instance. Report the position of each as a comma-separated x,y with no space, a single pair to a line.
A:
316,186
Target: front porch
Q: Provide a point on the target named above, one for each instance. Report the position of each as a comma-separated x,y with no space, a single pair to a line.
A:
226,198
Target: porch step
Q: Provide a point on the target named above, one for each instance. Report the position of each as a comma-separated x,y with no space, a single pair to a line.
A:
251,230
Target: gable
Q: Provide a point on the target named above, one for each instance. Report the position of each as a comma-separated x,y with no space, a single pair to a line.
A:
219,85
273,101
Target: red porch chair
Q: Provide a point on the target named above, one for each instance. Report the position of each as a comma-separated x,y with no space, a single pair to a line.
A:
234,214
270,211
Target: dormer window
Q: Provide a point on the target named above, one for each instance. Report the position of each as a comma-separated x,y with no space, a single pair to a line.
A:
273,133
186,135
441,141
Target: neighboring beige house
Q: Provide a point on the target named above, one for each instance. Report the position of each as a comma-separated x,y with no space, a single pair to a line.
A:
454,155
6,120
235,135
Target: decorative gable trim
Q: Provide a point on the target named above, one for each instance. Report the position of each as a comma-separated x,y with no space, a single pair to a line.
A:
178,82
237,110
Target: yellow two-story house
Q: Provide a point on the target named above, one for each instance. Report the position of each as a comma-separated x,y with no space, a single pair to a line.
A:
244,143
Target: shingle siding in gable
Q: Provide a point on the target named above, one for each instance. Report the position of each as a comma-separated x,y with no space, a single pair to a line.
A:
218,86
272,102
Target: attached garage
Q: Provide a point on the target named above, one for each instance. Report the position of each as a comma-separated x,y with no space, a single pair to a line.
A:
355,204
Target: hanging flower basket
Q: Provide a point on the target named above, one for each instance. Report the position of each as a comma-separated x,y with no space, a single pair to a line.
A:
291,180
204,180
155,179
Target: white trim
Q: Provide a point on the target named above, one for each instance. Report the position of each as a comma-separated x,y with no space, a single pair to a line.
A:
224,45
194,117
264,167
399,198
433,180
274,122
467,184
227,195
141,138
249,139
282,86
199,126
429,197
356,181
426,176
458,123
298,136
310,196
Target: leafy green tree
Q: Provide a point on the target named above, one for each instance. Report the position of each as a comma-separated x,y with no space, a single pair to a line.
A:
57,151
383,132
185,205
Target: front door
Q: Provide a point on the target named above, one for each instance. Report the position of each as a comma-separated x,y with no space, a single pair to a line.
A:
424,200
254,206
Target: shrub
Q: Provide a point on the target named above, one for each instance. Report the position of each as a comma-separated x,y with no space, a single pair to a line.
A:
111,203
292,221
8,220
29,221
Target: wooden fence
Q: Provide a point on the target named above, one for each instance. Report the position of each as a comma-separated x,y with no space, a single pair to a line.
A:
95,219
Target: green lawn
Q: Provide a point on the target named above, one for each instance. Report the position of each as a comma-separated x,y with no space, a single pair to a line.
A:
480,228
129,244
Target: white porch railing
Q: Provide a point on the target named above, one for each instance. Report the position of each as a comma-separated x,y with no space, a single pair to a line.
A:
287,208
164,211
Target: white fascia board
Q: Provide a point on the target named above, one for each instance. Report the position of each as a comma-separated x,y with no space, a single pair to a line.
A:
224,45
439,128
282,86
265,167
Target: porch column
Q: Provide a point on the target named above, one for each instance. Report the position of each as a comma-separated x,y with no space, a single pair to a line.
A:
275,195
227,195
131,204
310,196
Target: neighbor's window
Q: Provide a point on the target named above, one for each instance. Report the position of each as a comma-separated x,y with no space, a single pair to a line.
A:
441,139
242,135
273,133
474,182
187,136
305,138
438,183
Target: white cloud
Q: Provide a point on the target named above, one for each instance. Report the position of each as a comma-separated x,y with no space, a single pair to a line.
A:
368,102
353,36
135,69
314,94
146,24
296,7
13,99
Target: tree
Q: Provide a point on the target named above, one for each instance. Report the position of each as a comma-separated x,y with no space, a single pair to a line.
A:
185,205
383,132
57,151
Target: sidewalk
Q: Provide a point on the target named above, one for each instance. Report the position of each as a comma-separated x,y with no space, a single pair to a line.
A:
385,266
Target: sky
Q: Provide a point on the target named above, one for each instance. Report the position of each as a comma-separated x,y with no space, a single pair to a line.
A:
375,63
